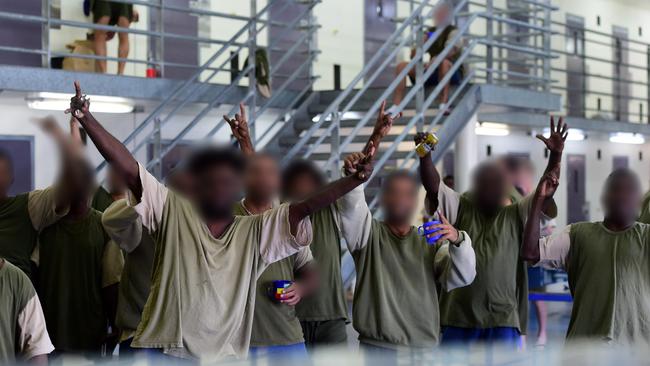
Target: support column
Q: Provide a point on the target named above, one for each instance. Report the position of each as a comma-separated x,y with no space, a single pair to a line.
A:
465,156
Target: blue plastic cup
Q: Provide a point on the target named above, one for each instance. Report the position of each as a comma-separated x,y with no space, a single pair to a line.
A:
278,287
427,229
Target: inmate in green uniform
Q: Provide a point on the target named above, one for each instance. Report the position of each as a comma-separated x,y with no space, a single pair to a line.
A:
22,327
499,290
20,219
274,323
203,288
609,278
323,314
73,261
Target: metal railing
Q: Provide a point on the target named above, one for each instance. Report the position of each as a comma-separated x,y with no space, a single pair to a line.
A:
478,52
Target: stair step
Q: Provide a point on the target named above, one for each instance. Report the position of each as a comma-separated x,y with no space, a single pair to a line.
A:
289,141
326,155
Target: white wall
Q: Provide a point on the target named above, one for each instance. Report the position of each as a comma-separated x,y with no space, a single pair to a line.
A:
596,170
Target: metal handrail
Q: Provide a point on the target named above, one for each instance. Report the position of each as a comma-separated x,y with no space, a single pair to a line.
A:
411,155
419,83
250,68
369,65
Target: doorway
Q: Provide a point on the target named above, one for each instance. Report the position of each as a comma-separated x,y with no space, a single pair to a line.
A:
577,209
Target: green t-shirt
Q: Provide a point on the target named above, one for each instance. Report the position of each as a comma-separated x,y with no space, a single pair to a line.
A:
328,303
203,288
101,199
274,323
495,297
15,292
71,254
392,271
609,278
17,234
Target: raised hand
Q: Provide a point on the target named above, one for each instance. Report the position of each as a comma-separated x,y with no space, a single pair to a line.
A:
419,138
447,230
360,163
48,125
547,185
382,126
559,133
79,104
239,128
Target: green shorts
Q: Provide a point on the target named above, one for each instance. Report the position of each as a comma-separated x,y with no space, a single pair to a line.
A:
103,8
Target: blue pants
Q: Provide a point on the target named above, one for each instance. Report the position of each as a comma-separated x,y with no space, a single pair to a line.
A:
291,354
500,335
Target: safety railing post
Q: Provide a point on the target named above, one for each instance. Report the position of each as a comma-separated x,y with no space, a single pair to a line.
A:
252,81
157,149
45,32
546,44
418,28
335,146
489,33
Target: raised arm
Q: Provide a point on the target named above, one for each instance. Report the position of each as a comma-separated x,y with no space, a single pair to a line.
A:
545,190
555,144
239,128
382,126
111,148
331,192
429,175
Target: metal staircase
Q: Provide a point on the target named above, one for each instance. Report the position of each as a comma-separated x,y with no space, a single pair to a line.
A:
332,124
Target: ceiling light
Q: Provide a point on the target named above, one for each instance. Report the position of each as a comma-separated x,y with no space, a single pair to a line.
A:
491,129
61,102
627,138
575,134
345,116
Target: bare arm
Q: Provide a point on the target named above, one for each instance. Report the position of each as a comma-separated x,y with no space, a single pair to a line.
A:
239,128
555,144
111,148
382,127
429,176
530,245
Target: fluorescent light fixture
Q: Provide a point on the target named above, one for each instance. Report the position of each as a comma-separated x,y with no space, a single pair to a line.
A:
491,129
626,138
575,134
345,116
61,102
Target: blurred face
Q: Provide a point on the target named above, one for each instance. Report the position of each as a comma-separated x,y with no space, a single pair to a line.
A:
622,199
82,182
114,182
399,200
216,189
490,187
262,178
302,186
441,15
6,176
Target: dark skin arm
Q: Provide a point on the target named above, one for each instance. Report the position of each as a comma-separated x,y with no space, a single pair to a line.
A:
38,360
530,245
306,283
111,148
382,127
555,144
357,171
239,128
429,176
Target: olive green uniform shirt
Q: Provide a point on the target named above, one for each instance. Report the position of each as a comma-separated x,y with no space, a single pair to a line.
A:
500,289
124,227
22,326
101,199
396,296
609,278
203,288
75,262
21,217
274,323
328,303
